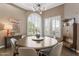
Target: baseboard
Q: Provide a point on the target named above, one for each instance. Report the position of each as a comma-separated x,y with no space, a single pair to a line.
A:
2,46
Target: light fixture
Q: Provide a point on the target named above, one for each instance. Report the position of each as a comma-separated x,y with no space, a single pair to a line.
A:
8,29
37,8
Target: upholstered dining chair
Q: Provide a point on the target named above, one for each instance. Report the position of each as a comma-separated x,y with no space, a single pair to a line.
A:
56,50
22,41
24,51
52,51
13,45
45,51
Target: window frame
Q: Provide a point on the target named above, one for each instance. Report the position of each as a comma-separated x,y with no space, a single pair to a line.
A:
42,25
38,15
51,24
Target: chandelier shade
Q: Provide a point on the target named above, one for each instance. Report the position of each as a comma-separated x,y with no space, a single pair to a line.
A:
38,8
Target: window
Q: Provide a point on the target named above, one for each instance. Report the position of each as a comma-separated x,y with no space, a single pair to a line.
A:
56,26
34,24
47,27
53,26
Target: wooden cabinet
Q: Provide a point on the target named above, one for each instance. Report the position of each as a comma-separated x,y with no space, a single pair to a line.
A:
77,38
70,33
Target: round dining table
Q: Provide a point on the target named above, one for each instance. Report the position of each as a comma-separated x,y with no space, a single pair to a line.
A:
40,43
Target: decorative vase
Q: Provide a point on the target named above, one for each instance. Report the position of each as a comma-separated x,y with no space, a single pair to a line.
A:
37,35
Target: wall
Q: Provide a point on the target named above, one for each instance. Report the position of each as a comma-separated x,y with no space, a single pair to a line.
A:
71,10
7,11
11,11
59,10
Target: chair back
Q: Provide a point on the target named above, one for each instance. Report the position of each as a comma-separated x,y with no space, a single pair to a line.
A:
22,41
13,45
56,50
23,51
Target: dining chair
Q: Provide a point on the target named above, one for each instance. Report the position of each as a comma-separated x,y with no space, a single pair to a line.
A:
22,41
13,45
44,51
56,50
24,51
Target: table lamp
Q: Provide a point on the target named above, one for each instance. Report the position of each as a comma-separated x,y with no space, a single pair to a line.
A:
8,29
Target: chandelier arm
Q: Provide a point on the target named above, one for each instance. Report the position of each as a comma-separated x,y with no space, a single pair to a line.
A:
38,8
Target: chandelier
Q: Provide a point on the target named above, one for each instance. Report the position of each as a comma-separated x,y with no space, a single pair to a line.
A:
37,8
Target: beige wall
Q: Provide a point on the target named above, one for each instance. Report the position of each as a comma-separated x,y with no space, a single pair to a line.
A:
71,10
13,12
59,10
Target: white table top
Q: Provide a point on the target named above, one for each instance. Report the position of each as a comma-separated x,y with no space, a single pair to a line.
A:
47,42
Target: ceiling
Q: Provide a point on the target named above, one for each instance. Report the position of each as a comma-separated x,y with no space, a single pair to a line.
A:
44,6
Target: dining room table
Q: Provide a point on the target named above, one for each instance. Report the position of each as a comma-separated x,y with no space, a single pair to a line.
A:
39,43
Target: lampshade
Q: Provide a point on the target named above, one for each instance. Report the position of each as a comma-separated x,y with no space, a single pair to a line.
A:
7,27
